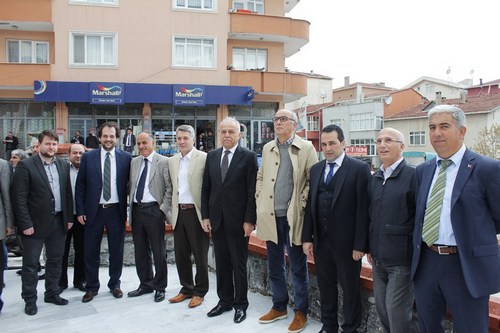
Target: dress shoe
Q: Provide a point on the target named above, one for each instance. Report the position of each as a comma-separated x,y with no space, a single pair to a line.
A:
56,299
239,315
179,298
89,295
218,310
195,301
139,291
30,309
61,289
80,286
117,293
159,296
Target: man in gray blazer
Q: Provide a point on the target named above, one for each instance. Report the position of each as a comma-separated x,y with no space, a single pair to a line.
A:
149,202
6,215
186,174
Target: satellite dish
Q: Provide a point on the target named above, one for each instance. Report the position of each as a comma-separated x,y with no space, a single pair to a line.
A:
388,100
448,71
471,72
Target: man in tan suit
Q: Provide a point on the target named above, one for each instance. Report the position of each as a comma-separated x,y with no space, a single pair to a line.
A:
186,174
149,202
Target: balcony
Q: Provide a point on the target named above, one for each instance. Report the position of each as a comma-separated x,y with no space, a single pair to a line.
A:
289,85
26,15
21,76
292,33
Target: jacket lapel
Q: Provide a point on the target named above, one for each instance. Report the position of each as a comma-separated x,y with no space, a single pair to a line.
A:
41,169
339,177
464,171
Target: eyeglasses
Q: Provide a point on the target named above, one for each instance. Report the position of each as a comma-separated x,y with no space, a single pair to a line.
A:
282,119
387,140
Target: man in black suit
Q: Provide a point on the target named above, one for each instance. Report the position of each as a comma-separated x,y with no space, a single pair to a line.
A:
78,138
42,202
129,141
229,213
336,226
101,203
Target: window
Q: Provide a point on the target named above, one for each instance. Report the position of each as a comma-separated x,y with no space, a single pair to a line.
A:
366,121
417,138
430,88
194,52
253,5
104,2
27,52
246,59
313,123
195,4
337,122
93,49
370,143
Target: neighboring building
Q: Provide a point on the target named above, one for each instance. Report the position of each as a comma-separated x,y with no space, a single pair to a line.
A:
433,89
311,122
482,111
356,92
488,88
74,64
319,91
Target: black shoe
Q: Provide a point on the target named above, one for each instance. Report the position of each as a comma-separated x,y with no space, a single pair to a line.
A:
159,296
80,286
117,293
139,291
56,299
218,310
89,295
239,315
30,309
61,289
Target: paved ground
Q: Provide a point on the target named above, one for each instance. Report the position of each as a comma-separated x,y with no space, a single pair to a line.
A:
141,314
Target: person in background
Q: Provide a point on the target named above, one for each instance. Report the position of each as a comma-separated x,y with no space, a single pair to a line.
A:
392,219
77,138
336,229
75,152
456,257
284,178
6,218
228,213
129,141
91,141
42,202
186,174
149,204
16,156
11,142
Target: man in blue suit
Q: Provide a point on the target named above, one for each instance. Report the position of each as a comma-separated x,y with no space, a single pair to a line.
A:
456,258
101,202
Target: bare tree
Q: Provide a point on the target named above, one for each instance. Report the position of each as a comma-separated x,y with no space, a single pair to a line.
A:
488,142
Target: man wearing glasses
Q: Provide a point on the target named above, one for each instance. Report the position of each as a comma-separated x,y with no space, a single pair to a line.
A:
392,218
281,194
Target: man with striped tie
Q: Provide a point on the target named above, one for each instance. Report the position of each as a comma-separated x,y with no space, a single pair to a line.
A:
456,259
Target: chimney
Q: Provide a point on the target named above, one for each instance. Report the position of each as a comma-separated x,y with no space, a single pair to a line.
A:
480,82
438,97
346,81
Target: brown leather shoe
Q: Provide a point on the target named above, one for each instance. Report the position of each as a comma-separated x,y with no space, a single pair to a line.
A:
117,293
179,298
298,323
272,316
195,301
89,295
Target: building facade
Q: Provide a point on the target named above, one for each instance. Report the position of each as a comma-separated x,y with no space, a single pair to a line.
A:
73,64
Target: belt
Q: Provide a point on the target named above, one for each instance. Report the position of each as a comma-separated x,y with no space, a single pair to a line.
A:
145,204
186,206
109,205
444,249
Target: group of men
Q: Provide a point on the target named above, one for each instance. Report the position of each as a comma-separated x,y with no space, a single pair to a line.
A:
429,233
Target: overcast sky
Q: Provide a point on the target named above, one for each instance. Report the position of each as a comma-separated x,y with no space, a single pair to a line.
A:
398,41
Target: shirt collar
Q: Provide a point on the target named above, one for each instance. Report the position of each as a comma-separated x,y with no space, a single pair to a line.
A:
111,152
393,166
287,142
455,158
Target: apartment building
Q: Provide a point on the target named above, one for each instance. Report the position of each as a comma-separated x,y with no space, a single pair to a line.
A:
150,65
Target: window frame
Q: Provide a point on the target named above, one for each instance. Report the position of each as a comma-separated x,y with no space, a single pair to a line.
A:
112,3
33,55
186,64
366,121
246,52
418,135
245,4
175,5
86,34
368,142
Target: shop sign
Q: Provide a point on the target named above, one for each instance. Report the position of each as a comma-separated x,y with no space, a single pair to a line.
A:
188,95
107,93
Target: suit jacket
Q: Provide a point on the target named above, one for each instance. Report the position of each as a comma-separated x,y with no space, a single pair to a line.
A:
158,182
234,199
132,140
475,218
89,183
348,226
32,197
195,180
78,139
6,213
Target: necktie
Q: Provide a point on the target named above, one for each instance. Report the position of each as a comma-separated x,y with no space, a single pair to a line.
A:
430,230
142,182
329,176
106,183
225,164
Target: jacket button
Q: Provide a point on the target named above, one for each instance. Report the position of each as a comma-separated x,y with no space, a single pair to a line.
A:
272,179
270,197
276,163
272,214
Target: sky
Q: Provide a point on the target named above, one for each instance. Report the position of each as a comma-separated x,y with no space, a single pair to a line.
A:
399,41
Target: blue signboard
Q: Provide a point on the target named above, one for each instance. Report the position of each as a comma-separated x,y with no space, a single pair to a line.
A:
188,95
107,93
